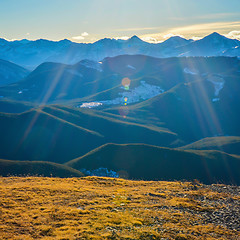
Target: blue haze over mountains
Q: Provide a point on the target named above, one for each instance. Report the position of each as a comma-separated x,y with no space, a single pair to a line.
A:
63,107
30,54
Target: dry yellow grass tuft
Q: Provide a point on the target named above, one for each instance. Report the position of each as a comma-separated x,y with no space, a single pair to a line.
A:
107,208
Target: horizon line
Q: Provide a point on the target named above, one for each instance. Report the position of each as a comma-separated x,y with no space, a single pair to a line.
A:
144,39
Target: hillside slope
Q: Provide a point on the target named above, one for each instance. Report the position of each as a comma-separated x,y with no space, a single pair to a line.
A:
36,135
59,134
47,169
139,161
195,110
11,73
228,144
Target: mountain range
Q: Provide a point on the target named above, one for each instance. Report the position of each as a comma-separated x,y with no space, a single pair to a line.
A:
89,81
202,93
30,54
116,114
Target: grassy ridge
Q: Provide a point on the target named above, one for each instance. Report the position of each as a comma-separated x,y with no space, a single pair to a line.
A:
36,135
228,144
59,134
140,161
9,167
113,209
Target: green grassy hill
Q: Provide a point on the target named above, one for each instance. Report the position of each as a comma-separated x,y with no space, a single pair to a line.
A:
139,161
228,144
47,169
59,134
36,135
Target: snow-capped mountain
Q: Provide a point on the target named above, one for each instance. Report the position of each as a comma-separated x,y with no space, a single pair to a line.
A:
30,54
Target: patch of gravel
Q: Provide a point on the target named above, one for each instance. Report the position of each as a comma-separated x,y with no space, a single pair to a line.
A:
229,215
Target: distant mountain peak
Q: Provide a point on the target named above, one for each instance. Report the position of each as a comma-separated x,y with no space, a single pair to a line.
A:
175,37
24,41
105,40
215,35
66,40
216,38
175,41
135,39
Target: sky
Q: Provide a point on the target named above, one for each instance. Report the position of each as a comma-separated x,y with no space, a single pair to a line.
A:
91,20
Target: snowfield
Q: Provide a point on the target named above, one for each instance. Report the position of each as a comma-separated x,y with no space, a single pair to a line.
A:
143,92
90,105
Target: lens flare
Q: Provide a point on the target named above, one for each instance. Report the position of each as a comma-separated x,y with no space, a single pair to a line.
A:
123,111
126,83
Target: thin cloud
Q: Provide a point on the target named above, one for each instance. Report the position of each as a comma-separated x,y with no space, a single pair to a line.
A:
150,40
172,35
217,15
196,38
205,17
81,37
199,30
78,38
207,27
122,38
84,34
135,29
233,34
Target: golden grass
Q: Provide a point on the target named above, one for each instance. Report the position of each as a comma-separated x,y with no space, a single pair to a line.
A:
105,208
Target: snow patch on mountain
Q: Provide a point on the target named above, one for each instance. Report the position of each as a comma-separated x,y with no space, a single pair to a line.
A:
218,83
90,105
189,71
142,92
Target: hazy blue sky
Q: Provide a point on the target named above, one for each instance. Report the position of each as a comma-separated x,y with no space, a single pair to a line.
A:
90,20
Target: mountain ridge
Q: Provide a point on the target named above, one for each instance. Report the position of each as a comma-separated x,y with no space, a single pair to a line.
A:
66,51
